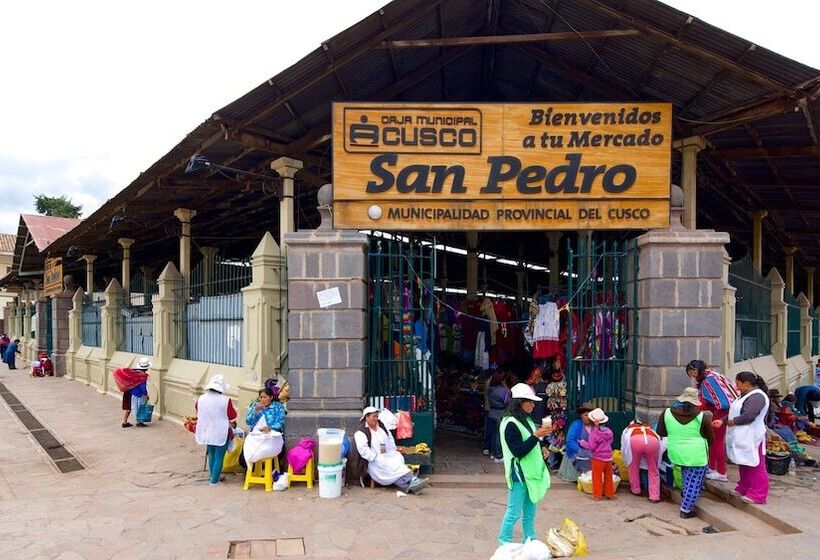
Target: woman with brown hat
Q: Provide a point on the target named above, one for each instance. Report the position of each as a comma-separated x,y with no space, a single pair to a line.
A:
577,460
689,433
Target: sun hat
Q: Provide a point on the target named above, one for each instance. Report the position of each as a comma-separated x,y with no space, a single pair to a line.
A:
368,410
585,407
598,416
217,383
144,363
689,395
524,391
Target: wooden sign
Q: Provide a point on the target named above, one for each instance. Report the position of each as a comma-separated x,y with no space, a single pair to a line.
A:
501,166
53,277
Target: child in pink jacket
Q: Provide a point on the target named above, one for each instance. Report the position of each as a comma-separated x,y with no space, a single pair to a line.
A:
600,444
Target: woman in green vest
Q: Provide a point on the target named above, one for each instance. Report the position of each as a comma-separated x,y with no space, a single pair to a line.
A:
524,463
689,434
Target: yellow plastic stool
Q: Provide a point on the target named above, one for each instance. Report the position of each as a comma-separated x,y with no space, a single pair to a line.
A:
261,472
307,476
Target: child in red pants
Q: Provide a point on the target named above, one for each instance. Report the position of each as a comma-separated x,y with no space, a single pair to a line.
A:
600,444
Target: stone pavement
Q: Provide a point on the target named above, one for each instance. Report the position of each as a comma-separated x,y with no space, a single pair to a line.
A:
143,494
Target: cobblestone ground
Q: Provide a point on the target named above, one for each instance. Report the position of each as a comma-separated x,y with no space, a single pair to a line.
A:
143,494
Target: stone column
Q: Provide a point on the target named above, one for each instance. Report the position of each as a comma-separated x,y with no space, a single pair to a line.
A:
689,148
810,283
326,346
263,301
729,317
61,304
472,263
11,319
208,262
757,239
75,331
184,215
126,243
554,261
790,251
165,330
111,334
680,295
780,325
89,274
286,168
26,315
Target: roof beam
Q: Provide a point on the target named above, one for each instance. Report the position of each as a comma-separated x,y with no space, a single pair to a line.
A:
694,50
713,82
508,39
641,81
771,152
724,120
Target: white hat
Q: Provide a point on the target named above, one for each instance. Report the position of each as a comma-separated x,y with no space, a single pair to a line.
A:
690,395
598,416
144,363
524,391
217,383
368,410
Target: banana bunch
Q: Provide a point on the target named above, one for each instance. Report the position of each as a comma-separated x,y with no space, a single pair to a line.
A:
421,448
803,437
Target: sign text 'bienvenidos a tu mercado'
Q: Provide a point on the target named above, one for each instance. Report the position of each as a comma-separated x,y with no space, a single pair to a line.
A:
501,166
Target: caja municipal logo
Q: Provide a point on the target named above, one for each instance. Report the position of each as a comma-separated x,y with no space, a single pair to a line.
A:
411,130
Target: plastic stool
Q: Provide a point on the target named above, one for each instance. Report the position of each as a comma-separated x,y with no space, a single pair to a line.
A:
261,472
307,476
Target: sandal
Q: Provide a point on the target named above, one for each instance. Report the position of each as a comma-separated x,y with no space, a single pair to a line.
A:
127,424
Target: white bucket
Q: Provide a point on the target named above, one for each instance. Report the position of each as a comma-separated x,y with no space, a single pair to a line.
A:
330,481
330,446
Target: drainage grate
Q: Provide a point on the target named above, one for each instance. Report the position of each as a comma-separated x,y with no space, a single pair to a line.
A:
59,455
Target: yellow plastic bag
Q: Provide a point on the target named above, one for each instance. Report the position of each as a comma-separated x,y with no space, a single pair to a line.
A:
230,464
572,533
623,470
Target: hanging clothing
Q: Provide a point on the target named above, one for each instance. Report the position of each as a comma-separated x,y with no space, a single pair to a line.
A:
545,335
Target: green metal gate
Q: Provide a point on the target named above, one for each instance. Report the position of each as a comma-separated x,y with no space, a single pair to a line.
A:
49,323
602,319
400,369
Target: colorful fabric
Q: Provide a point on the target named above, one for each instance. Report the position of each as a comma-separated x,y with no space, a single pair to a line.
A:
691,486
274,416
716,391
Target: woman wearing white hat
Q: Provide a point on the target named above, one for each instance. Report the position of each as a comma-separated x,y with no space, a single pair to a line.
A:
215,417
524,468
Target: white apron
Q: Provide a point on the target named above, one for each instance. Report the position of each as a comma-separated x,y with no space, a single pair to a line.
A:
743,442
212,419
383,467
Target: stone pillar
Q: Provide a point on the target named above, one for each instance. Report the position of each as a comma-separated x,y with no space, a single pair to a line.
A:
42,324
805,333
729,317
185,216
689,148
75,331
680,295
554,261
111,334
26,315
810,283
126,243
472,263
263,301
165,330
790,251
11,319
208,262
61,304
780,325
89,274
326,346
286,168
757,239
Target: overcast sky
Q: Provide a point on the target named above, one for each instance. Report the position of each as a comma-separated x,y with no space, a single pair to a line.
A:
93,92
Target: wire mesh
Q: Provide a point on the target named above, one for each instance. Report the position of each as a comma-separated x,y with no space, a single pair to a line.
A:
136,318
91,322
793,325
753,317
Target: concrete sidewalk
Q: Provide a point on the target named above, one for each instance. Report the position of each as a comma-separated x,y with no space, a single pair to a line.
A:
143,494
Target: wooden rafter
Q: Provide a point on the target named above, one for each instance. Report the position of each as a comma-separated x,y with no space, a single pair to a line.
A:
488,52
724,120
442,33
390,53
336,74
681,31
810,122
768,152
492,40
695,50
719,77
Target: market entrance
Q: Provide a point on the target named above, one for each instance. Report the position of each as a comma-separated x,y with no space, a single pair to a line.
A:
433,347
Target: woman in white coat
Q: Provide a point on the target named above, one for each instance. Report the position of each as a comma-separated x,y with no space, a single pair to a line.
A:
215,414
746,437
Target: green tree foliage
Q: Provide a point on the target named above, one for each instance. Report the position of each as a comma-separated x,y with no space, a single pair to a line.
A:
56,206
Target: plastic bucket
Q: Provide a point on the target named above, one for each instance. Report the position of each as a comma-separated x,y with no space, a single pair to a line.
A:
330,481
330,446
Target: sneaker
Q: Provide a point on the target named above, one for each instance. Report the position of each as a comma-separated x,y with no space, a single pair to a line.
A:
417,484
485,451
498,459
687,514
716,476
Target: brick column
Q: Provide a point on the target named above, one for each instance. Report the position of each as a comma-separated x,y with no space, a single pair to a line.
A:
680,295
326,346
165,331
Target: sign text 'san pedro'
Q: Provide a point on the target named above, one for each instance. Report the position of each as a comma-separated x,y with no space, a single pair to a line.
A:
501,166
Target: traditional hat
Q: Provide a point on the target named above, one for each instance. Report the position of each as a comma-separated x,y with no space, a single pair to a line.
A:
144,363
775,394
217,383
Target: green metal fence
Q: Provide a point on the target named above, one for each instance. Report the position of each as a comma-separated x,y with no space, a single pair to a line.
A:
136,318
401,364
602,321
49,323
753,310
793,325
815,330
209,315
91,322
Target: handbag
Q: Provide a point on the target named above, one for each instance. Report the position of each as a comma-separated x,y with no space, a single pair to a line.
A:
144,412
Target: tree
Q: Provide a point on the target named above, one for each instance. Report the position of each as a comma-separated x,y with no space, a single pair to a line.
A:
56,206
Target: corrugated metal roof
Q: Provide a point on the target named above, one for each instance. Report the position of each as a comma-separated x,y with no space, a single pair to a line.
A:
7,241
44,230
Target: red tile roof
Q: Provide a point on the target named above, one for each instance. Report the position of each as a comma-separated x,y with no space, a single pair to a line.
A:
7,241
46,229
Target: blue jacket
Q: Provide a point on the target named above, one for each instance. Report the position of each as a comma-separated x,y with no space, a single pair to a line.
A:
274,416
575,434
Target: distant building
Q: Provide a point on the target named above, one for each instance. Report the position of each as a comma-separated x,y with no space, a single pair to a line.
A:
7,241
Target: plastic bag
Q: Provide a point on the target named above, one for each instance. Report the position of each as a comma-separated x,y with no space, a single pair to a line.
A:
389,419
281,483
558,545
534,549
230,464
572,533
508,551
404,430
